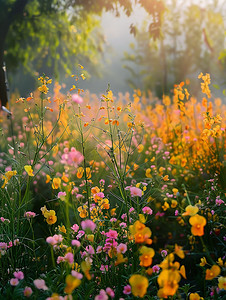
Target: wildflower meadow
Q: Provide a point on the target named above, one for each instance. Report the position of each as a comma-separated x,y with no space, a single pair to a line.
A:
113,196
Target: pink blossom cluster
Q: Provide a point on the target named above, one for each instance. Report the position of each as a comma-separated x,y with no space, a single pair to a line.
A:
17,277
29,214
103,294
72,157
68,257
54,240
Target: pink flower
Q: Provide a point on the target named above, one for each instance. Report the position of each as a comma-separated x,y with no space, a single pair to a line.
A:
75,227
99,249
112,234
147,210
60,259
76,274
69,257
156,268
127,289
135,192
76,98
19,275
29,214
27,291
14,281
61,196
122,248
90,250
110,292
88,224
75,243
102,296
40,284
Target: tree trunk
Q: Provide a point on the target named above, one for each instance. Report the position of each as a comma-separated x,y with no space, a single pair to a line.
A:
8,14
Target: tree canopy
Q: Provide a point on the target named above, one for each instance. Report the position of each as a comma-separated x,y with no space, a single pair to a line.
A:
49,32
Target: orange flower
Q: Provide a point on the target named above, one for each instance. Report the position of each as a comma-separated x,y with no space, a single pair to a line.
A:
168,281
48,178
198,222
146,257
56,183
213,272
139,285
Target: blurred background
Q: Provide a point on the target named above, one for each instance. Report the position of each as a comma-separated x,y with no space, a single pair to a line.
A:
147,44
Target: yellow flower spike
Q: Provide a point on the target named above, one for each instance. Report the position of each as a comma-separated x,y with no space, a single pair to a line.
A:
56,183
29,170
139,285
71,284
197,222
190,210
43,89
203,262
5,181
213,272
222,283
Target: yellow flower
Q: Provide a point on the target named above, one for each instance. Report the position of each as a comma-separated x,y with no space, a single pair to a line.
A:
29,170
71,284
222,283
213,272
120,259
139,285
50,216
190,210
178,251
194,296
165,206
62,229
80,172
8,175
198,222
56,183
183,271
168,281
148,173
43,89
173,203
48,178
85,266
203,262
146,257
